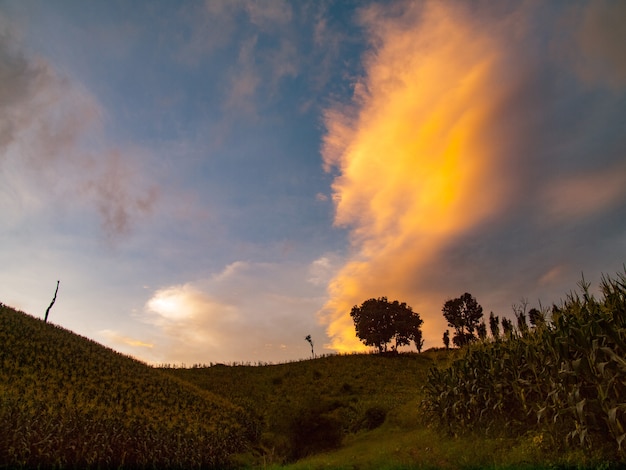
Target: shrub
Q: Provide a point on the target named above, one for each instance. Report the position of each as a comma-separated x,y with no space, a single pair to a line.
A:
374,417
315,428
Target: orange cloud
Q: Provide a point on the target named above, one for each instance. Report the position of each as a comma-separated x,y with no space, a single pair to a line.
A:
415,155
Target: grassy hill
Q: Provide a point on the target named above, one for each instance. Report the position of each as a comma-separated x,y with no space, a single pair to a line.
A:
548,396
66,401
544,395
376,403
304,404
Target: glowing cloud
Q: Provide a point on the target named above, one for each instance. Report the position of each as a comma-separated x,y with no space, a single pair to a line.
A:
417,164
120,339
267,307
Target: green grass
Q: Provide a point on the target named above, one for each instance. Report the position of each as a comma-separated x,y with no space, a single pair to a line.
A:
68,402
405,440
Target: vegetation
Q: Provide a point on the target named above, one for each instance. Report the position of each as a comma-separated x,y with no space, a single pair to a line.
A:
309,340
563,380
464,314
67,402
548,393
313,406
378,322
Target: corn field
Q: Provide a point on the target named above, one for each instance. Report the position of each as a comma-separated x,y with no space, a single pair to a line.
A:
563,380
68,402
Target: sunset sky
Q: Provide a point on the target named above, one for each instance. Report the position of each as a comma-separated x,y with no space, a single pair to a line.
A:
214,181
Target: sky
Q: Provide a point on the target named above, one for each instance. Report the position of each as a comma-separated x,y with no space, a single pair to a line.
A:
214,181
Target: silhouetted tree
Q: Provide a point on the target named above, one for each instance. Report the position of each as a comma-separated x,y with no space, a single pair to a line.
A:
494,325
463,314
419,344
446,339
309,340
54,299
507,327
378,322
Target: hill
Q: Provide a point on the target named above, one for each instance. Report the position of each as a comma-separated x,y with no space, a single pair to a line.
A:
546,395
66,401
308,406
361,411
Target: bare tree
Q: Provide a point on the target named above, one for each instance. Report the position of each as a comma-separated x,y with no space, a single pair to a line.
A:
45,320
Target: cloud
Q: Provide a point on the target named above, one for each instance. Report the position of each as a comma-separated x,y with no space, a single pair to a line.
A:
584,195
266,15
119,339
601,41
322,270
247,312
460,143
51,143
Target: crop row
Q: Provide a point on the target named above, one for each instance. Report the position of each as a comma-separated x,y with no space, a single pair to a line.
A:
68,402
565,379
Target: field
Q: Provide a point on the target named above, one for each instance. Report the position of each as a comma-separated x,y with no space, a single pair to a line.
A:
548,396
67,402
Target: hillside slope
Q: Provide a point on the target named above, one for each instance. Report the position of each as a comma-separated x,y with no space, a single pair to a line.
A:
311,406
68,401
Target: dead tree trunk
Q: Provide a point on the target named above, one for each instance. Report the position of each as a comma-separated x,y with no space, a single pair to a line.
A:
45,320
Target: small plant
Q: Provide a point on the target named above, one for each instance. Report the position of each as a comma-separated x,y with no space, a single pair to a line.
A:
309,340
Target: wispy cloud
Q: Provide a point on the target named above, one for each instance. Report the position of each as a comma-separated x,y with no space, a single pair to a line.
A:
455,132
119,339
51,140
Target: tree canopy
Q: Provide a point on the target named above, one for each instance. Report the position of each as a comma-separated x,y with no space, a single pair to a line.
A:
378,322
463,314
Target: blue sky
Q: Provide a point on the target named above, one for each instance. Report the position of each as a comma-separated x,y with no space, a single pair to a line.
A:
213,181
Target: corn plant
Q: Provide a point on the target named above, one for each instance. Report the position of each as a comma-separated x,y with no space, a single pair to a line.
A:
67,402
565,377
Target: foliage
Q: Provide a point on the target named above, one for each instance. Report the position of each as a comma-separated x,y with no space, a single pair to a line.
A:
314,428
338,389
463,314
494,326
374,417
378,322
68,402
563,380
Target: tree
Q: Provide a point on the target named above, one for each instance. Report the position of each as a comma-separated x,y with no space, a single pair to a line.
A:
378,322
494,325
507,327
54,299
446,339
463,314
